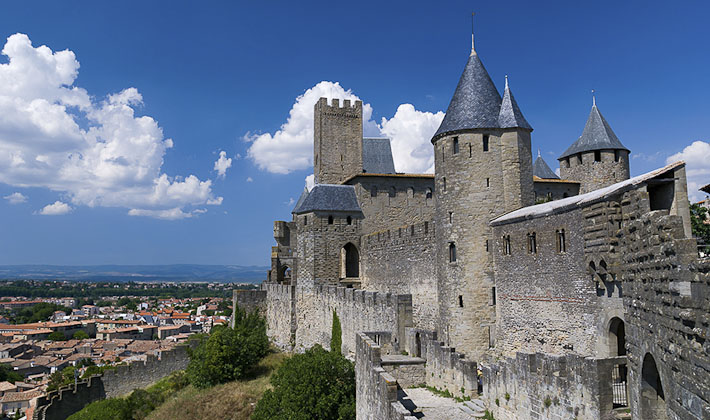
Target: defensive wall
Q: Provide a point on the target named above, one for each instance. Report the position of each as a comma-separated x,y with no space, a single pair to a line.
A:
540,386
281,315
250,301
402,260
667,300
60,404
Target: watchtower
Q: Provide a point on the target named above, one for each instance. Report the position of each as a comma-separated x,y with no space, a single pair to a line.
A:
337,151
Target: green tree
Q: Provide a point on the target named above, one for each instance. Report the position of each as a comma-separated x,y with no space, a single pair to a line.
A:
57,336
9,375
316,385
108,409
701,230
61,378
80,335
336,334
228,353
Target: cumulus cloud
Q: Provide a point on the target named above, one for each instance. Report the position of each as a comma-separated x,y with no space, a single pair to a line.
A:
97,152
16,198
410,132
167,214
697,169
291,147
310,182
250,179
222,164
55,209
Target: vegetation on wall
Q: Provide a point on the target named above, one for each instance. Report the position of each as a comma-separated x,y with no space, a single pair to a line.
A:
698,217
336,336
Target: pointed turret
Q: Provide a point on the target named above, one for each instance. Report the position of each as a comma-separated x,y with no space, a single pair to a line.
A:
510,115
542,170
476,101
597,135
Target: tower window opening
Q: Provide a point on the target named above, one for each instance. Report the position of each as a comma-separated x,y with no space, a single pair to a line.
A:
532,243
349,220
567,162
399,232
443,183
597,156
616,155
451,217
579,158
452,252
455,145
487,247
429,193
330,220
426,227
488,182
493,295
460,301
561,244
373,192
411,230
470,150
393,192
506,245
485,142
305,220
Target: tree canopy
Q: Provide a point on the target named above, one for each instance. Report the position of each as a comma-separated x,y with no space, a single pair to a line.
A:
701,230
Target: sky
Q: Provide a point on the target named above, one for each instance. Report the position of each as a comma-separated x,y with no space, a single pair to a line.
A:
167,132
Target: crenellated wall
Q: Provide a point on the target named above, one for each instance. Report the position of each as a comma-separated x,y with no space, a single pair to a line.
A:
358,311
402,261
60,404
249,300
281,315
447,369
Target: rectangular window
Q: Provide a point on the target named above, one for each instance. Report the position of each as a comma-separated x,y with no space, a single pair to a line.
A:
493,295
597,156
305,220
460,301
506,245
487,247
566,162
451,217
532,243
456,145
426,227
452,252
579,158
485,142
488,182
411,228
443,184
616,155
561,245
470,150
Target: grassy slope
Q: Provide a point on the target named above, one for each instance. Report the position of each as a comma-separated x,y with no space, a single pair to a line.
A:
230,401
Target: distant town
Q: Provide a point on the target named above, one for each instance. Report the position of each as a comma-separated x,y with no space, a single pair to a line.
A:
55,332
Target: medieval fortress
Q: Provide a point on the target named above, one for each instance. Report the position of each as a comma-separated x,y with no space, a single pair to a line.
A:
569,296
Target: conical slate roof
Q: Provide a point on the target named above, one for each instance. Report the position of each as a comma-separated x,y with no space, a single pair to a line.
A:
300,201
542,170
510,115
597,135
476,101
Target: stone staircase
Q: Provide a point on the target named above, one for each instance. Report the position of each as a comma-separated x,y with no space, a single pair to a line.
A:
475,408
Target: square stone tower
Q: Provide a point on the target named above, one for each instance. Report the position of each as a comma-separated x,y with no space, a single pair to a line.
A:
337,151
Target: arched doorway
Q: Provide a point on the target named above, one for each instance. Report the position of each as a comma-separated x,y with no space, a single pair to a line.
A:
285,274
653,400
617,337
350,260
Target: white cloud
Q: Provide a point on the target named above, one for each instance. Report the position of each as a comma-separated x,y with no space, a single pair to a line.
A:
291,147
410,132
250,179
168,214
697,167
16,198
96,152
56,209
310,182
222,164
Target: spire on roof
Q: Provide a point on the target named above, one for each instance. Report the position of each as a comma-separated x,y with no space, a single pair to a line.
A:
476,101
473,45
541,169
594,98
597,135
510,115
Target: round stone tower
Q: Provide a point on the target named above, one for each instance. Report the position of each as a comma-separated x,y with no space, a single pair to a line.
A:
597,159
483,169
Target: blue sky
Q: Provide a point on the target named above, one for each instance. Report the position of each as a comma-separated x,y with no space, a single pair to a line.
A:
224,76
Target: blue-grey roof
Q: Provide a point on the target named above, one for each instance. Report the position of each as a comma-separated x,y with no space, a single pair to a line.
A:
329,197
597,135
300,201
377,156
542,170
510,115
476,101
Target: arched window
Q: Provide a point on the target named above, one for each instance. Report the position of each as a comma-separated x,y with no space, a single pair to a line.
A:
653,399
429,193
350,261
455,145
330,220
349,220
452,252
561,241
410,192
617,337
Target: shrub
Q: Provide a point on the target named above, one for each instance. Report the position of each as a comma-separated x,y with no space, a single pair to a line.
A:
318,385
228,353
7,373
57,336
336,335
80,335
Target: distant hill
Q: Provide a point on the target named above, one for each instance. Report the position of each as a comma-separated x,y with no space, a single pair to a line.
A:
158,273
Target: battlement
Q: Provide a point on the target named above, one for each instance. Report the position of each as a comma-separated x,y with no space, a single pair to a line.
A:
365,297
405,234
335,107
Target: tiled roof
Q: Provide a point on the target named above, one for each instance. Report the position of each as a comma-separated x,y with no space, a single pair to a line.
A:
597,135
510,115
329,197
476,101
542,170
377,156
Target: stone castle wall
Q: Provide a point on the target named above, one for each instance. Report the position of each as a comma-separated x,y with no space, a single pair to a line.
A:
667,299
357,310
281,315
593,175
250,301
60,404
539,386
402,261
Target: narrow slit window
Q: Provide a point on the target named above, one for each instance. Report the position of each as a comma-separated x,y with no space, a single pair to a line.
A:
579,158
493,295
460,301
470,150
443,183
350,220
411,230
485,142
487,247
506,245
426,227
561,242
330,220
488,182
532,243
452,252
451,217
305,220
455,145
616,155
